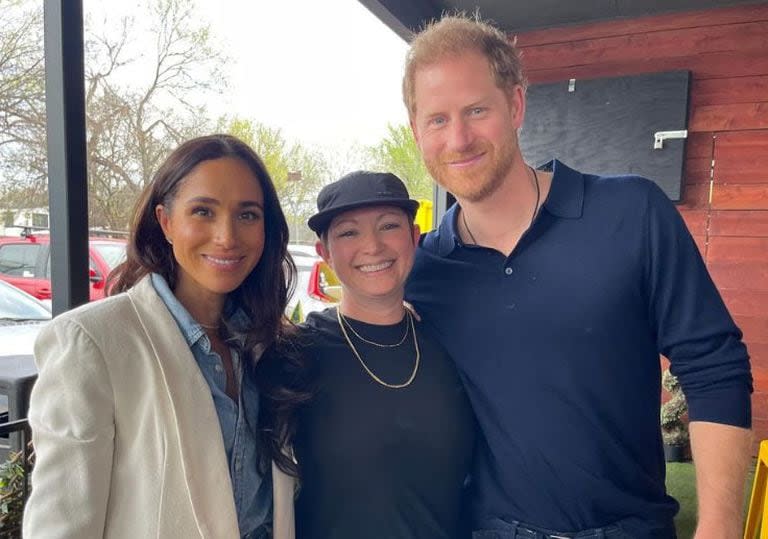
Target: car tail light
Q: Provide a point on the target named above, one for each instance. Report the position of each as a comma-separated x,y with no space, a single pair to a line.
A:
323,283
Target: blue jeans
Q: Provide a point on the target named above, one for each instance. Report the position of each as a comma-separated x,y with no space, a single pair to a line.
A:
500,529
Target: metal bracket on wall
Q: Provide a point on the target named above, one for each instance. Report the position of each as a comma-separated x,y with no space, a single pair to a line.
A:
660,136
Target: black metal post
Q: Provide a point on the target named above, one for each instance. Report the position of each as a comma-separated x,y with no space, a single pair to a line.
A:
67,168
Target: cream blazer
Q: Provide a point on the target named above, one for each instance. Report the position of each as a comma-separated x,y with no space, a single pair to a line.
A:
127,437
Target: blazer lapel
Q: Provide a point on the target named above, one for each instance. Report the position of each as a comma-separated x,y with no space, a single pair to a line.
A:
197,424
283,489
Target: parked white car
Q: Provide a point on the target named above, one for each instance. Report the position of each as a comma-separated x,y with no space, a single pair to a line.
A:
21,319
306,259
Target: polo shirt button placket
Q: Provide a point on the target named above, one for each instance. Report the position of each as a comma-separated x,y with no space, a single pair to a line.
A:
508,271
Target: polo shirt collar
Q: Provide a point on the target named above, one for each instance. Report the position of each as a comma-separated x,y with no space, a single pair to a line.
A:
565,200
566,195
448,234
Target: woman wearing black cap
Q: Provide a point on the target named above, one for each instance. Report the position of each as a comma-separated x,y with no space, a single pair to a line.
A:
380,426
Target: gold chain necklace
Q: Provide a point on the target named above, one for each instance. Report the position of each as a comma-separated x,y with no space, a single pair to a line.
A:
369,371
380,345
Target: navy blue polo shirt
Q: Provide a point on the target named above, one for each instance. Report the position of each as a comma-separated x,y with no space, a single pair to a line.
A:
558,345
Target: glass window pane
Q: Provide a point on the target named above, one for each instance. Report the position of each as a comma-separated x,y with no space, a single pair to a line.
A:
19,260
112,253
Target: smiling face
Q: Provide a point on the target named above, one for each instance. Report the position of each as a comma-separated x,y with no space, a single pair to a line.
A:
216,227
465,125
371,250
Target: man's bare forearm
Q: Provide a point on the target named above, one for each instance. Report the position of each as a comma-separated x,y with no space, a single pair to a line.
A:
721,457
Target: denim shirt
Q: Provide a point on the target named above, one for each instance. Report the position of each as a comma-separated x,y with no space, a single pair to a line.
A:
252,491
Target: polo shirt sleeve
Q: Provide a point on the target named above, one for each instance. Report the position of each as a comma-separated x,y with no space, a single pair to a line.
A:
693,327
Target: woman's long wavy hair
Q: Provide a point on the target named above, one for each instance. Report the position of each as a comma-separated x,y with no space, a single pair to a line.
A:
264,293
283,377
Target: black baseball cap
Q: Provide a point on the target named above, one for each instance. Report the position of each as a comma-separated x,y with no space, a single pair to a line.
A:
358,189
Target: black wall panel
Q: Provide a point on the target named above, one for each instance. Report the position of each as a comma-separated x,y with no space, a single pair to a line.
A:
607,126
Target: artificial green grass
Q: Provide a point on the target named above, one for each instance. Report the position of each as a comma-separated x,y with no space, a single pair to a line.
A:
681,485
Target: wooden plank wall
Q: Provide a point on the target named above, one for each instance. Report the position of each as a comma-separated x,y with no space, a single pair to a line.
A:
725,200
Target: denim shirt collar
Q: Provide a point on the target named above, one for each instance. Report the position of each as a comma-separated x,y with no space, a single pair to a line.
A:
237,418
191,328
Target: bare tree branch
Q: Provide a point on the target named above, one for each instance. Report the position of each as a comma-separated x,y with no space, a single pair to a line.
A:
138,105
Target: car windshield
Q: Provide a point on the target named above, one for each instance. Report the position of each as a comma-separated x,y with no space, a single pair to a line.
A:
16,305
112,253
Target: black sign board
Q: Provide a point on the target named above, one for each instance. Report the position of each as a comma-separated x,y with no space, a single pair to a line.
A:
609,126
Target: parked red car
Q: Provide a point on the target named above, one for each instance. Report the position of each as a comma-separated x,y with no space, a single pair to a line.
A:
25,262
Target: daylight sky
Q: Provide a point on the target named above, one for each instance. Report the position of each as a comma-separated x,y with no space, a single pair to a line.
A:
327,73
323,71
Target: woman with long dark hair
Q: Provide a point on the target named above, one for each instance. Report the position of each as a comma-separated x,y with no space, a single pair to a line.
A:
143,423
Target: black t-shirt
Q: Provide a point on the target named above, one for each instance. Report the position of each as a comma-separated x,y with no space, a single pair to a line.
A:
377,462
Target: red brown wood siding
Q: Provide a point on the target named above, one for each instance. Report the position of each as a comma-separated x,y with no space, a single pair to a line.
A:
725,193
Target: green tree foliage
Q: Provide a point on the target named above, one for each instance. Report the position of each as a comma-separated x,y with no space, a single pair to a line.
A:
12,500
399,154
267,142
298,172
